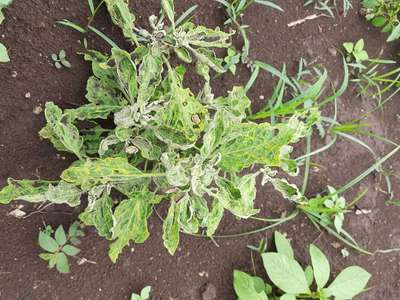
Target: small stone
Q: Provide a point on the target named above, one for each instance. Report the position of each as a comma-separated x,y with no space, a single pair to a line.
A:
27,95
262,97
210,292
37,110
14,74
332,51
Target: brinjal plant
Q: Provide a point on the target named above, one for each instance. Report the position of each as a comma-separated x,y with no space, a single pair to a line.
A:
166,144
384,14
290,281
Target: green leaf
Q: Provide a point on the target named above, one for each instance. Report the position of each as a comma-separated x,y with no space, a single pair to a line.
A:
150,71
26,190
64,193
321,266
60,236
3,53
46,242
359,46
99,214
349,47
62,263
127,74
145,293
349,283
236,103
246,144
184,55
309,272
285,273
182,121
61,131
168,7
102,171
70,250
122,17
395,34
171,228
215,217
283,245
238,197
245,288
130,221
378,21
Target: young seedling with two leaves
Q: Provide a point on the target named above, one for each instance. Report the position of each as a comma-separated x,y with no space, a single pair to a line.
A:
167,144
144,294
60,246
60,60
384,14
290,281
3,50
234,10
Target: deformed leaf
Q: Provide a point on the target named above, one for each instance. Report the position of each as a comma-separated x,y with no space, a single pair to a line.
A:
171,228
245,288
27,190
130,221
122,17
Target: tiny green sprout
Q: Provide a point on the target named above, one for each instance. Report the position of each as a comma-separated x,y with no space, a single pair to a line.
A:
231,60
60,60
356,51
144,294
292,281
59,247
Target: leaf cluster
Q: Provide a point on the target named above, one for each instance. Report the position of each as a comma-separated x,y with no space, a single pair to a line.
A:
384,14
290,281
60,246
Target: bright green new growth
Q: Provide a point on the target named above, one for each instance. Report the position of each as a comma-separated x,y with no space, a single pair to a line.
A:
59,247
144,294
294,282
167,144
384,14
3,50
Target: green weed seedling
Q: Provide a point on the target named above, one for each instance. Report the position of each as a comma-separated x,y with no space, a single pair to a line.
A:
384,14
60,60
372,82
356,51
234,10
60,246
144,294
3,50
328,6
290,281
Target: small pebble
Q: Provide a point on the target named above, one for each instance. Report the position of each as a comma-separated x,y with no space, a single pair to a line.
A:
210,292
27,95
14,74
37,110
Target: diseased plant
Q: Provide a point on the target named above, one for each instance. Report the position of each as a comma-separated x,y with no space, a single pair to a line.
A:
60,60
292,282
166,144
59,247
144,294
3,50
384,14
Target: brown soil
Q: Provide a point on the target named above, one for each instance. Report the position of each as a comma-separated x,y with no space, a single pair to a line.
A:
31,34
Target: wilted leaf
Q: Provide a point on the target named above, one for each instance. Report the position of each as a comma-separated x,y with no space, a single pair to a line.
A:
171,228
